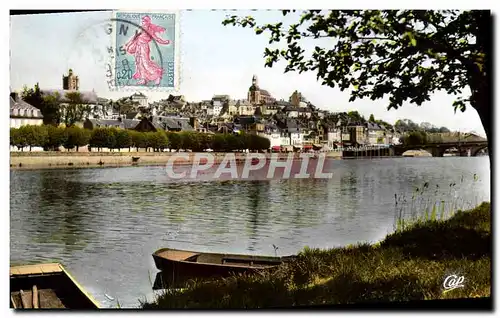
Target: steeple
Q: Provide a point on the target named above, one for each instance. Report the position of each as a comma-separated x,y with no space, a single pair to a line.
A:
254,80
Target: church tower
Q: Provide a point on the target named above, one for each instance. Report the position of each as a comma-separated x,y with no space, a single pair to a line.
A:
71,82
254,91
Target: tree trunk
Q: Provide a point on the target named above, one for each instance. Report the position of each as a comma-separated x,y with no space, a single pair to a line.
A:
485,115
481,102
480,76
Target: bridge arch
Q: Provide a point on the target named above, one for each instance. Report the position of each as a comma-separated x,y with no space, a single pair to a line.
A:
409,151
475,151
451,149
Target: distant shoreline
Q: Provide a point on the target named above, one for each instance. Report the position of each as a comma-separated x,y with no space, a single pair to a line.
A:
26,160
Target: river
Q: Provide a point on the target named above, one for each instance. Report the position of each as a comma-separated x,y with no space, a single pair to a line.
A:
103,224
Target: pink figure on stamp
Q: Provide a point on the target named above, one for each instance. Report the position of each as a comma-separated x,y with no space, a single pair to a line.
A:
146,70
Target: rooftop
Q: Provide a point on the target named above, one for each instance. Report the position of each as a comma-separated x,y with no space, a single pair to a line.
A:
18,103
21,104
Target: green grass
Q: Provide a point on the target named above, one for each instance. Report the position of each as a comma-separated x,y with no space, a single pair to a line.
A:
410,264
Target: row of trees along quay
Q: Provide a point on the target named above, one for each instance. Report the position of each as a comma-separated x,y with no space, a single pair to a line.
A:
397,55
51,138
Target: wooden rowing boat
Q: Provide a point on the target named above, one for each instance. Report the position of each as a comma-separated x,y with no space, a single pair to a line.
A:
180,263
47,286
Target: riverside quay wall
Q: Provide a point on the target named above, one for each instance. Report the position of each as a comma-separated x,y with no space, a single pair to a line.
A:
56,159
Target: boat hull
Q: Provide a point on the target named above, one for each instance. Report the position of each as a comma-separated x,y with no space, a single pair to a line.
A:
179,265
55,288
197,269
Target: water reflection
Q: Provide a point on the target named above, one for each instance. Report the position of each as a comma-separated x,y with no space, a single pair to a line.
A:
103,224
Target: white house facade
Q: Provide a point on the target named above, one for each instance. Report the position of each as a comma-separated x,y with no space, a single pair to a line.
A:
274,138
217,107
140,99
22,113
296,138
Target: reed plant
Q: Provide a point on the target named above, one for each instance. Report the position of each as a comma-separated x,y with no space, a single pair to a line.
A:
425,198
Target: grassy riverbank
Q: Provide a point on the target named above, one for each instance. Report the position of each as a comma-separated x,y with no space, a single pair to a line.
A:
410,264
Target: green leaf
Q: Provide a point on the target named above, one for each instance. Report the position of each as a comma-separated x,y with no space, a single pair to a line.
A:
413,41
479,66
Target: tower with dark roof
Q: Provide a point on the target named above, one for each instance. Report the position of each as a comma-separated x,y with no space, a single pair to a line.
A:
254,91
71,81
257,96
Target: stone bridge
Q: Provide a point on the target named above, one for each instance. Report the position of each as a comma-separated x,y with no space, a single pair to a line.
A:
437,149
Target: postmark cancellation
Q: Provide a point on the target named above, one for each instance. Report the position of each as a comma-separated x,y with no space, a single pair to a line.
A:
144,52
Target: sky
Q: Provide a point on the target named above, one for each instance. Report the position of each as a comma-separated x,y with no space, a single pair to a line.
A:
214,59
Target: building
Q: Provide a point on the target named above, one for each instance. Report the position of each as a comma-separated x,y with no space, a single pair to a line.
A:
375,134
232,110
292,111
171,123
298,100
88,100
291,133
140,99
71,81
217,106
170,105
209,109
269,109
357,134
22,113
221,97
221,105
282,104
333,136
245,108
110,123
304,112
251,124
272,132
346,135
257,96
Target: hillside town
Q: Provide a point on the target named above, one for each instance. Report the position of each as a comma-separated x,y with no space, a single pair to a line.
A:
292,124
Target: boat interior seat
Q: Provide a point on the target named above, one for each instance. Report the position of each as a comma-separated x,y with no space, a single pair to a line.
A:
193,258
232,259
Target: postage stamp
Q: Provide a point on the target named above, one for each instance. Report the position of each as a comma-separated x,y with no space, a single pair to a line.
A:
144,51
